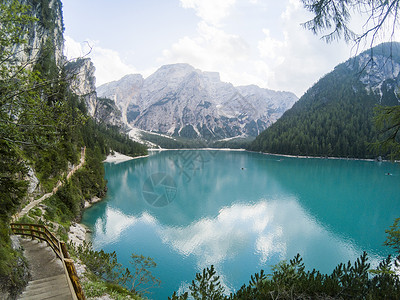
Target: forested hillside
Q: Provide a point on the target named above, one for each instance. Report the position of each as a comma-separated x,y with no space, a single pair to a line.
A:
335,116
43,127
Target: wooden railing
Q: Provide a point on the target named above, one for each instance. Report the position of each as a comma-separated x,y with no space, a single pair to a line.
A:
41,232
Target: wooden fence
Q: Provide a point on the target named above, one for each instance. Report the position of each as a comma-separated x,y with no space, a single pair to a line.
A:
41,232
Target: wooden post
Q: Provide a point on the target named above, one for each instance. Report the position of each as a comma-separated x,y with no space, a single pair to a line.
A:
69,263
59,248
64,250
31,232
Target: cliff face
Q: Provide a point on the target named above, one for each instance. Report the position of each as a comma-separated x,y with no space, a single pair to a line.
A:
83,81
179,100
44,43
379,71
44,37
125,94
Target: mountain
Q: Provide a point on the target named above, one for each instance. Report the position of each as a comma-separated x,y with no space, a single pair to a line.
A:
83,84
179,100
45,37
335,116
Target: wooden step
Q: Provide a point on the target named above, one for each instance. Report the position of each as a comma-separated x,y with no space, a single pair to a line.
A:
55,287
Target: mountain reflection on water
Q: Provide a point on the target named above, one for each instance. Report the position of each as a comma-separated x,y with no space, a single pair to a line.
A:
243,212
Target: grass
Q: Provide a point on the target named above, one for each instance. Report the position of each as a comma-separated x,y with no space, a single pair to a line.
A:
97,288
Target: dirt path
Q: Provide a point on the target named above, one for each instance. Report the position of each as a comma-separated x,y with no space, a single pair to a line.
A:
32,204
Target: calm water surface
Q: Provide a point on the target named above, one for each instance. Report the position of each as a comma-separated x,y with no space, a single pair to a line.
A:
243,212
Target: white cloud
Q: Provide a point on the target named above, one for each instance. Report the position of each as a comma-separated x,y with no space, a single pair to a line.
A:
308,58
108,63
211,11
299,58
287,57
293,7
271,49
72,49
210,48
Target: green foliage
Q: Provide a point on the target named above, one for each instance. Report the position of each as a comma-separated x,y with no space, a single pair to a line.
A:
387,120
141,279
393,236
335,17
21,114
333,118
42,125
48,16
175,296
16,104
13,265
67,203
90,178
107,138
290,280
98,288
12,188
94,288
237,143
207,285
109,275
184,143
102,264
173,142
35,212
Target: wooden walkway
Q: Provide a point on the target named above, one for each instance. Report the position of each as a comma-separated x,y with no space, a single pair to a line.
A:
48,280
53,272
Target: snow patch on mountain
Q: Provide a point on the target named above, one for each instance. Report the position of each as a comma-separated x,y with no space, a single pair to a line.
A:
179,100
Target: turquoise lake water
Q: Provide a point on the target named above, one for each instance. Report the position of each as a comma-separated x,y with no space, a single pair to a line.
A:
243,212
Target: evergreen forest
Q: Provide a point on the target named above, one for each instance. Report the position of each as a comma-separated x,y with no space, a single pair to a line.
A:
44,127
336,116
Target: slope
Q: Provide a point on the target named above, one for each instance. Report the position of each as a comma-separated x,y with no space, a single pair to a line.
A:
335,116
181,101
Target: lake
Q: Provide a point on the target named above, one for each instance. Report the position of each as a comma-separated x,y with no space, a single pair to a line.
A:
243,212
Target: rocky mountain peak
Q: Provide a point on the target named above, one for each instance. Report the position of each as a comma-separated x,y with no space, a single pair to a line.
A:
84,82
180,100
378,68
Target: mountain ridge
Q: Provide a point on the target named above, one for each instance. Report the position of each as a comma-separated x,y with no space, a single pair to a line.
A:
335,116
180,100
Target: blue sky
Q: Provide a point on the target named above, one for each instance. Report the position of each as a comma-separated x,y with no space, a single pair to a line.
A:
247,41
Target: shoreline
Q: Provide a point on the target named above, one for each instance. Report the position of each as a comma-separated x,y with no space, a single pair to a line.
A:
119,158
79,233
274,154
322,157
196,149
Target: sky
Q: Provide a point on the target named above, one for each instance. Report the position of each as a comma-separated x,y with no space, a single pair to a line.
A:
257,42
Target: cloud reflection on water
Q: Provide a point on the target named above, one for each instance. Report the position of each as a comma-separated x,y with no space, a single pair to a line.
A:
272,230
109,228
244,220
